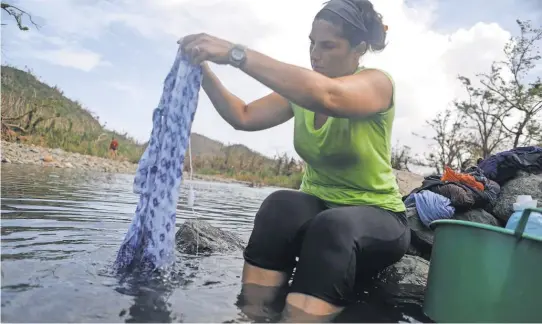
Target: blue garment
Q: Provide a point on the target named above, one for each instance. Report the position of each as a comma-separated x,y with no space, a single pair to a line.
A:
430,206
503,166
150,241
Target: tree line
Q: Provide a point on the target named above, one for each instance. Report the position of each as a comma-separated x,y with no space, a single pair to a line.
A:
502,110
248,166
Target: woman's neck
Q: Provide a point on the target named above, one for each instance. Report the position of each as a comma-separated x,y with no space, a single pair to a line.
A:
350,71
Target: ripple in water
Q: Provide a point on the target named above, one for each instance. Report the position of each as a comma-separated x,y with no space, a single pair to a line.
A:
61,230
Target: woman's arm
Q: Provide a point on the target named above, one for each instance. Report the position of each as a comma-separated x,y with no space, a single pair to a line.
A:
359,95
365,93
264,113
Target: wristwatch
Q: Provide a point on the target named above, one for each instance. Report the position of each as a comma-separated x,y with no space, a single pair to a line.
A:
237,55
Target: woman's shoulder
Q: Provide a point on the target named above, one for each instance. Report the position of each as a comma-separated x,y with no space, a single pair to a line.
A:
391,107
386,72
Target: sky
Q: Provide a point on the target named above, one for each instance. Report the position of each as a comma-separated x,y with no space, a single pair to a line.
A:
113,55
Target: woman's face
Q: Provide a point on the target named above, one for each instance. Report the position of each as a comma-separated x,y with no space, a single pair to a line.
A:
330,53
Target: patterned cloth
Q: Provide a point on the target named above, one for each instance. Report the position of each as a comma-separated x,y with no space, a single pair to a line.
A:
150,241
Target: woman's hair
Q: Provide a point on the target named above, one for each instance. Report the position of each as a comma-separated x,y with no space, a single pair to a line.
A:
375,31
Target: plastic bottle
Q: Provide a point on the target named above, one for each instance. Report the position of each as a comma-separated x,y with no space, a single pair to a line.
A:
534,224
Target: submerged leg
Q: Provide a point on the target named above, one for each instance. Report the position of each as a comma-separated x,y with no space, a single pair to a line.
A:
263,293
340,244
301,308
271,251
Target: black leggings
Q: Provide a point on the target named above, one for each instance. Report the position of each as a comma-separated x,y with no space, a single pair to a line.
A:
337,247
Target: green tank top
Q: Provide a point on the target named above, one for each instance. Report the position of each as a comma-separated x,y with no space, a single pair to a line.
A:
348,161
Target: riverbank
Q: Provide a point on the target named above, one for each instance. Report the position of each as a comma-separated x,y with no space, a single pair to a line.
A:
57,158
18,153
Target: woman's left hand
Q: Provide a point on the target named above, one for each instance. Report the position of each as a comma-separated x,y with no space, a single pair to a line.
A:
203,47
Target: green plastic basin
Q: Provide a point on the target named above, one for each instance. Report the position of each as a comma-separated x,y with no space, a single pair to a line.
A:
482,273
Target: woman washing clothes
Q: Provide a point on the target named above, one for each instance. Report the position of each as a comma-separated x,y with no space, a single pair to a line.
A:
347,220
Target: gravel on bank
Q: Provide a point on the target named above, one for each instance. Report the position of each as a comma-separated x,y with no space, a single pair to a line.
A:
19,153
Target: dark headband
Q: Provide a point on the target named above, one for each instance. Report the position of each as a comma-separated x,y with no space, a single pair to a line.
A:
347,10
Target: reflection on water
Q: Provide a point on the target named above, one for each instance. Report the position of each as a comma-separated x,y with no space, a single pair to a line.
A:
61,230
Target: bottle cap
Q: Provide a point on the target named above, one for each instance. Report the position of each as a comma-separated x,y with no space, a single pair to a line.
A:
524,201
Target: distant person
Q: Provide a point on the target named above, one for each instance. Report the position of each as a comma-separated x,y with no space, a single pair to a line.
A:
113,146
348,220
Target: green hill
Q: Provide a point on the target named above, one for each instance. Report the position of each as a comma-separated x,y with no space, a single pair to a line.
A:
40,114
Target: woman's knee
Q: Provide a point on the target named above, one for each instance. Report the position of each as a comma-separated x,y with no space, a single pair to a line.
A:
277,225
375,236
332,224
286,210
329,247
276,204
341,241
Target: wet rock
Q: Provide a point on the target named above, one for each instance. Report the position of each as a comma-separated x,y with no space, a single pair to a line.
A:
200,236
421,238
413,250
403,282
478,216
523,184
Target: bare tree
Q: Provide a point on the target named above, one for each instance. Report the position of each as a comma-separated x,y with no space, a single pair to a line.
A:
503,112
484,130
18,14
451,149
518,96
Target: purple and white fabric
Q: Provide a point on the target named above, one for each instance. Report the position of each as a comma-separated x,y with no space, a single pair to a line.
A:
149,243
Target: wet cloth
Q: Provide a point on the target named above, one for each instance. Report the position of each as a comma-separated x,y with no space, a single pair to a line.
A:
149,242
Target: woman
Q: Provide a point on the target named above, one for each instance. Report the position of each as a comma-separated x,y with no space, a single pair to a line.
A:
347,220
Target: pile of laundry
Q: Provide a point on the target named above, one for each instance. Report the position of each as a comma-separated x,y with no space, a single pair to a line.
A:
483,193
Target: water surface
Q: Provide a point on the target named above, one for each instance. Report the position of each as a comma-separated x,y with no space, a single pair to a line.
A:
61,229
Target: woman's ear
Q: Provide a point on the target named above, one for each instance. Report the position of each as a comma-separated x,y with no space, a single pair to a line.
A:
361,48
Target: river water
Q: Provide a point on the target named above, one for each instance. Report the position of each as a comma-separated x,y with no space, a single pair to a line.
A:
61,229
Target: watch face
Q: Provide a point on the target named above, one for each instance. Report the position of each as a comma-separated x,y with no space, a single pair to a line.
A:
237,54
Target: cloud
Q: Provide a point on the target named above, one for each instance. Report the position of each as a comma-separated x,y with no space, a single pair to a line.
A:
75,58
56,50
424,61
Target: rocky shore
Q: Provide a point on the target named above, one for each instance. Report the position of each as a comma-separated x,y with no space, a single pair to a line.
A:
18,153
57,158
